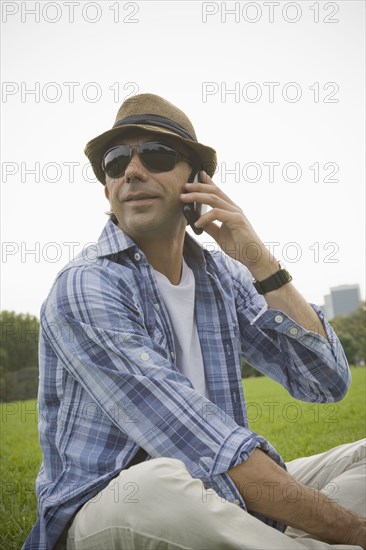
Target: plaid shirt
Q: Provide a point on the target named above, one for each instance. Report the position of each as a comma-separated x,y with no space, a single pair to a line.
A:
109,384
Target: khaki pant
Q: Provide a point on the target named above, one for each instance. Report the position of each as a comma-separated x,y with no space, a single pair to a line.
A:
158,505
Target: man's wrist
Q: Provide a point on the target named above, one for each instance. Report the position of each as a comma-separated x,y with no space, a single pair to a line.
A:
264,267
275,281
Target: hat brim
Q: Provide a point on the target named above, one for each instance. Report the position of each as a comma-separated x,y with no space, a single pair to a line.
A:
96,147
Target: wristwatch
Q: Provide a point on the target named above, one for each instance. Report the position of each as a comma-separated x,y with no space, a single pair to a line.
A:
275,281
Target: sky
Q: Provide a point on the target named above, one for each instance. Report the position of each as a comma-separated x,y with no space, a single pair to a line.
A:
277,88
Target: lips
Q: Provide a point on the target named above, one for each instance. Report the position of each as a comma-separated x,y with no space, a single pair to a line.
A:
139,197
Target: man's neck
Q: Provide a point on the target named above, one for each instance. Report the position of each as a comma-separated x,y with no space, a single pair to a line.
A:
165,256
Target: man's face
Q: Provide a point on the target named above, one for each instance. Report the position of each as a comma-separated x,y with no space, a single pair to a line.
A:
147,203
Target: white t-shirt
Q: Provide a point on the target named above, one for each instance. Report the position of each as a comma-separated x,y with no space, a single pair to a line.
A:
179,301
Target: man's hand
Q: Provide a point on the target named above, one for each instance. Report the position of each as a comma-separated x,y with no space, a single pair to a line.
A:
235,235
238,239
271,491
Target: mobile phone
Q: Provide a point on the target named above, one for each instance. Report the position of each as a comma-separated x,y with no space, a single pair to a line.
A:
193,211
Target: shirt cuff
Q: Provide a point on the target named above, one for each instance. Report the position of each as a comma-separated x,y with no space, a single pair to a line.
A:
236,449
277,322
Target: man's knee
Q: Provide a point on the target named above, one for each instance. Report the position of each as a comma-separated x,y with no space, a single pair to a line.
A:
155,483
135,499
156,474
350,455
160,480
158,468
358,450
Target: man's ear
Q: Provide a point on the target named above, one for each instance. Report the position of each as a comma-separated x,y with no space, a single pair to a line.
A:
106,191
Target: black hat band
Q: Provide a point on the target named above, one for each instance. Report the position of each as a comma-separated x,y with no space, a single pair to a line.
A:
156,120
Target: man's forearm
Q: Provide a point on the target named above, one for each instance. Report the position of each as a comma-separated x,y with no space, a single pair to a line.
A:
287,298
271,491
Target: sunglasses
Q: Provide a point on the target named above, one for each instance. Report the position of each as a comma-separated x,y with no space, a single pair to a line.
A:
154,156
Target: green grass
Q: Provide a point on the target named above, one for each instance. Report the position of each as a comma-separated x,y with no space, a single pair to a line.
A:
293,427
298,429
19,464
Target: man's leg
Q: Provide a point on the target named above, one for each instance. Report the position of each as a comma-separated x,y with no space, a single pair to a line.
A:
340,473
158,505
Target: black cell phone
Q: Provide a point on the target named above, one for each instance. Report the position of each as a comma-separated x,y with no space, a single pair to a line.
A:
192,211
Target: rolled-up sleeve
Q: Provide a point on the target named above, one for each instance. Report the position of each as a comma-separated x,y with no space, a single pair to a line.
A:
309,366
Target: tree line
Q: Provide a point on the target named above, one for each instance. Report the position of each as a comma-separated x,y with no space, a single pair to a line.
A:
18,356
19,339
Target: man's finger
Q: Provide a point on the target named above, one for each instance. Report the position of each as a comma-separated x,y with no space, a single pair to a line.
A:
213,230
220,215
211,188
211,199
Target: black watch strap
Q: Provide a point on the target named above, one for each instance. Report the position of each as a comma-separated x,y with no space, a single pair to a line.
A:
273,282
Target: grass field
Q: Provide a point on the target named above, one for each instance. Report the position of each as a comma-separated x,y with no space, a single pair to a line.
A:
298,429
293,427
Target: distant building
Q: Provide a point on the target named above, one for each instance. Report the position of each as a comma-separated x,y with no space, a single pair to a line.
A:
342,300
328,306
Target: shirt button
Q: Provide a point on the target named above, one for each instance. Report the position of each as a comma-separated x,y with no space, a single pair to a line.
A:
278,318
137,257
324,346
157,307
237,502
145,356
172,354
293,331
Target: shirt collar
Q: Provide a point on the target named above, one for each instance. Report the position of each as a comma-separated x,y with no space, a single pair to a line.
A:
113,240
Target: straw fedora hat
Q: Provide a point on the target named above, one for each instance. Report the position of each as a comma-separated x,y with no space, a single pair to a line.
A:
158,116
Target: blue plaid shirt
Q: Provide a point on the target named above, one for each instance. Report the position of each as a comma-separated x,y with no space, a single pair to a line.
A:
109,383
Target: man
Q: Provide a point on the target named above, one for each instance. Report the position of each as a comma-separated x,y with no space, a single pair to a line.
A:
143,425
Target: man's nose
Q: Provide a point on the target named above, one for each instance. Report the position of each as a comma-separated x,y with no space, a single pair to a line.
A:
135,169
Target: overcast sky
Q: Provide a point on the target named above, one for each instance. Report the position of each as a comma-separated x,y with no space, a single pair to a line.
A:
277,88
